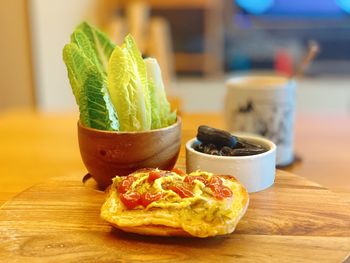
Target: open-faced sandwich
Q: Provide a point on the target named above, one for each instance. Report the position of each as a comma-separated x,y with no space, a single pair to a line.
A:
171,203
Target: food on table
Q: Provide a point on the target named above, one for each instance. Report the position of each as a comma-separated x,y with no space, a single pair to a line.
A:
209,135
114,87
172,203
218,142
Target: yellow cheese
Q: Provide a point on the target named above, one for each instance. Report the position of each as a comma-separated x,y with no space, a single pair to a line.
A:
201,215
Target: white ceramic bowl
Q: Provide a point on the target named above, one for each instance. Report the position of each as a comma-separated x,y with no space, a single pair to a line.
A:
255,172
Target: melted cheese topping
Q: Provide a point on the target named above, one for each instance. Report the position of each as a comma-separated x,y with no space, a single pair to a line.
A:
201,215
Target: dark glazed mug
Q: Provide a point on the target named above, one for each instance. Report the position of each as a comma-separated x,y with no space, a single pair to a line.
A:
107,153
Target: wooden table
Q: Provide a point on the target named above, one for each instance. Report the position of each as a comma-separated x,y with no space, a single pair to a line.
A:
296,219
58,221
37,146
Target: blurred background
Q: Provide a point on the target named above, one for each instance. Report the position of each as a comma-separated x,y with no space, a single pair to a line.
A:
199,44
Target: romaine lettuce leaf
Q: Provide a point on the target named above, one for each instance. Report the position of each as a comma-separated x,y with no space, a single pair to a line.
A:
155,106
161,112
95,44
111,85
128,86
89,88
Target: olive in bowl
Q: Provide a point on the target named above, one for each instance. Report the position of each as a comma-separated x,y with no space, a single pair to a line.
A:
253,163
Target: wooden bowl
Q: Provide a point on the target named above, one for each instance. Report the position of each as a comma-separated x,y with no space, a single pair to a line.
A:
107,154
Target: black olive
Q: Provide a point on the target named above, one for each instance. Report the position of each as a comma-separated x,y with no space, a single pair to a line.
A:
226,151
244,144
214,152
240,144
209,147
218,142
199,147
248,151
208,135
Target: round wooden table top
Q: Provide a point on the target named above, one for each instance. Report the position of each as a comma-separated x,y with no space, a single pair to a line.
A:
58,221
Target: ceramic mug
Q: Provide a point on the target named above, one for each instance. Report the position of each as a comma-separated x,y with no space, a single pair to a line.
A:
263,105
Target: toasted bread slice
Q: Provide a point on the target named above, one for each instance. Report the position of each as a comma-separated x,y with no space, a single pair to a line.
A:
199,216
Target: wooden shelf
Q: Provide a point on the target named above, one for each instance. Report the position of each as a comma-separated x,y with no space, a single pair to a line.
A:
210,60
178,4
189,62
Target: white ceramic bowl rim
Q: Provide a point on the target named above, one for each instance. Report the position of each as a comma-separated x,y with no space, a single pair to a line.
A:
256,139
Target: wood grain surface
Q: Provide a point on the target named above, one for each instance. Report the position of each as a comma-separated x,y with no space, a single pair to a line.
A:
37,146
58,221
